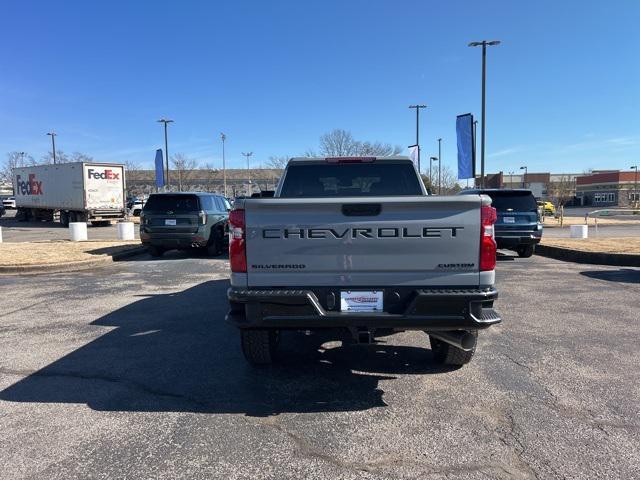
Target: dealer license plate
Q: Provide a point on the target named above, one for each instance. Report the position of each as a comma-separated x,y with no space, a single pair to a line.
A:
509,219
361,301
170,221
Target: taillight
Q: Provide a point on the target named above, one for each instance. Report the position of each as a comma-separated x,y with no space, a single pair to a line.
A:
237,247
488,245
202,216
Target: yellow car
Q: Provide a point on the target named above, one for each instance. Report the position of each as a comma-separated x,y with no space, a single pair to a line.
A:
548,207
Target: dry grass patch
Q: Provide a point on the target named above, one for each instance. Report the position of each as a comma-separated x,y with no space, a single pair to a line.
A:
59,252
630,245
555,222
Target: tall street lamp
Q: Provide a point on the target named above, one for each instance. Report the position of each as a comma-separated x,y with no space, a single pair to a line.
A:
524,179
247,155
635,186
224,165
418,107
166,147
53,145
435,159
484,44
439,165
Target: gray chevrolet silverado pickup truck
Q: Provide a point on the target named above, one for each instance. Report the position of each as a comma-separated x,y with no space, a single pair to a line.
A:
357,244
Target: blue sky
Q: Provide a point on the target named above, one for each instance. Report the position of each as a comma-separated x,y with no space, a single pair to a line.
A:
563,88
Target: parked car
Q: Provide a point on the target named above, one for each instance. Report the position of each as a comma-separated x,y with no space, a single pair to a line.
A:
9,203
356,244
184,221
518,225
135,207
547,207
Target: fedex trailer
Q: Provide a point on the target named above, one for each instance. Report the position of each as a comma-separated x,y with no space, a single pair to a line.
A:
72,192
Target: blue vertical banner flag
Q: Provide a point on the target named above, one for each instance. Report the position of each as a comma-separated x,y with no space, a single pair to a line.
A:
466,146
159,168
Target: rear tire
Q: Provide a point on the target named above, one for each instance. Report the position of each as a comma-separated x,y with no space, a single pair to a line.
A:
259,346
525,251
155,252
214,247
64,219
447,354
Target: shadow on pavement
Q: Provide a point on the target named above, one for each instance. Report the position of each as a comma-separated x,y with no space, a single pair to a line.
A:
173,352
177,255
623,275
505,257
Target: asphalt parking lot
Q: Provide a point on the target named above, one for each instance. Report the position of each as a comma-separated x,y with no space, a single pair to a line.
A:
129,371
15,231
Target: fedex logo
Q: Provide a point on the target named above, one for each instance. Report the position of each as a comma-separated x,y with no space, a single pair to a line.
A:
28,187
105,175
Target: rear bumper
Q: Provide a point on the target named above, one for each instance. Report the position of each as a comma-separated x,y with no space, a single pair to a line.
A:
173,240
419,309
513,239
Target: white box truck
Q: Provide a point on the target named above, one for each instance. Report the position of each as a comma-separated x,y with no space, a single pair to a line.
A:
75,192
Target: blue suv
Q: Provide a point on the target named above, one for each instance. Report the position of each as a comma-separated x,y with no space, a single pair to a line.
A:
518,226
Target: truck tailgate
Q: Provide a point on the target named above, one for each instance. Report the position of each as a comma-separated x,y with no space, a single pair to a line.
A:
357,242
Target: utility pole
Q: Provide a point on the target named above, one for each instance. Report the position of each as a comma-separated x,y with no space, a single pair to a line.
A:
418,107
431,160
439,166
524,179
224,165
636,200
484,45
166,148
53,145
247,155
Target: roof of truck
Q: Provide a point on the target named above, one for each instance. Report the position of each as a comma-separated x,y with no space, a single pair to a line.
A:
350,157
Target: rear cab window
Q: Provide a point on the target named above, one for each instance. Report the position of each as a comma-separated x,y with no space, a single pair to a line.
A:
513,201
350,180
174,203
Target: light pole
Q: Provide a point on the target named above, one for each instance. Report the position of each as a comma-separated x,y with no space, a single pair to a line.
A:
439,166
511,179
418,107
524,179
247,155
635,186
435,159
224,165
53,145
484,44
166,147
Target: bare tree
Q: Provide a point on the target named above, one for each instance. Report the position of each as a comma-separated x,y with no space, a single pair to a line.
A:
14,160
131,166
447,181
340,143
562,190
183,166
277,163
61,157
212,177
78,157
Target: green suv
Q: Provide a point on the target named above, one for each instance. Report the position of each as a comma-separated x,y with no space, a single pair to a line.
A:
185,221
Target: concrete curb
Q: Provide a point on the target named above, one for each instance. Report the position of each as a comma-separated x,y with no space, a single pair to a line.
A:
73,266
592,258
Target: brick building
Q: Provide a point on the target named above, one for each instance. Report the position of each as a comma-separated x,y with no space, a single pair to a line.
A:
557,187
609,189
